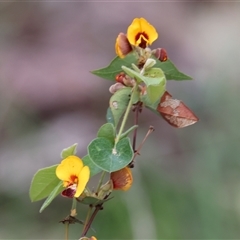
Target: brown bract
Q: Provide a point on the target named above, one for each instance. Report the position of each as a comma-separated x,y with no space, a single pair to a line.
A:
175,112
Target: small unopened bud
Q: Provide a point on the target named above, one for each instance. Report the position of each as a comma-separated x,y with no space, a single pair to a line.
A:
160,54
124,79
122,46
115,87
149,63
105,190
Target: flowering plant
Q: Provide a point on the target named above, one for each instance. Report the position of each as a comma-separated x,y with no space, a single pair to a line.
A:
140,76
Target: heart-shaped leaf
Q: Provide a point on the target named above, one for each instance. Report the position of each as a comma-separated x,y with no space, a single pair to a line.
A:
107,131
108,157
94,169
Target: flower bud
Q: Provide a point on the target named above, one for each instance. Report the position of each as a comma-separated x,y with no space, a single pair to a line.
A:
115,87
160,54
149,63
124,79
122,46
122,179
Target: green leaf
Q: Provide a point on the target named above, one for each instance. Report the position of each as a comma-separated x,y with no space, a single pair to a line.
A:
128,131
115,67
59,188
109,116
154,76
110,158
94,169
107,131
43,183
136,97
170,71
72,150
118,103
154,93
133,74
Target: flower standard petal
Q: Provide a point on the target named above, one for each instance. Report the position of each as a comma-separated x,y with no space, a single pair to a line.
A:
149,30
141,32
133,30
70,166
83,178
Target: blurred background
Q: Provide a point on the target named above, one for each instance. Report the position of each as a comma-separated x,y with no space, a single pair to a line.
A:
186,181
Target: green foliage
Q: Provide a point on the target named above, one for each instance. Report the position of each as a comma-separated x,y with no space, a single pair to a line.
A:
119,102
125,134
43,183
94,169
170,70
107,131
108,157
115,67
111,151
109,116
59,188
72,150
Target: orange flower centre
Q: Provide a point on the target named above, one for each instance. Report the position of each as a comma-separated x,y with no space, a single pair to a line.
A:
73,180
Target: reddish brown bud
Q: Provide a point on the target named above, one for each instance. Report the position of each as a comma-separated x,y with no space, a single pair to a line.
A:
115,87
160,54
175,112
122,179
125,79
122,46
119,77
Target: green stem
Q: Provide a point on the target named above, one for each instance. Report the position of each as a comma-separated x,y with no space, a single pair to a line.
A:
74,205
87,217
100,181
97,208
125,116
66,231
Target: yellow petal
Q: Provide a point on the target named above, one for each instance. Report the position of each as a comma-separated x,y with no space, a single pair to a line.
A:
133,30
149,30
140,28
70,166
83,178
92,238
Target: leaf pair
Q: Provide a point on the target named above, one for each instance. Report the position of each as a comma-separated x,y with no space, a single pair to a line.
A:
115,67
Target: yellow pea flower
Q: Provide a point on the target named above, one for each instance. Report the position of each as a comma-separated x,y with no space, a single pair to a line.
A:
141,33
74,175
